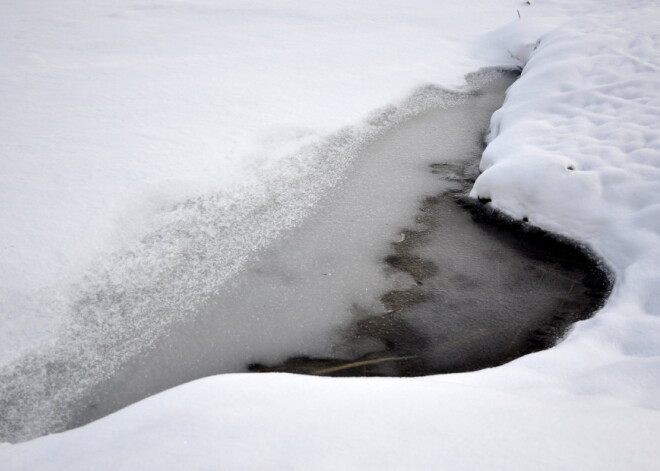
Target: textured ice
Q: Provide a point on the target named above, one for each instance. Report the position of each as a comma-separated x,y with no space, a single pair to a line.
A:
191,299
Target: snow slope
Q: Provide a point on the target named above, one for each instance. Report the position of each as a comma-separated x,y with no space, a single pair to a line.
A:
576,149
289,422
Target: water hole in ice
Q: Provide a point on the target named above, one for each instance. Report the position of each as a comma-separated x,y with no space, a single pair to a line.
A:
487,289
339,262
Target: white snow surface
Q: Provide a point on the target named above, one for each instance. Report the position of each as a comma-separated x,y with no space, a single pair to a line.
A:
114,110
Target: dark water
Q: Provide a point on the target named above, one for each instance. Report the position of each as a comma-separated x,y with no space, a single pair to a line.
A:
488,289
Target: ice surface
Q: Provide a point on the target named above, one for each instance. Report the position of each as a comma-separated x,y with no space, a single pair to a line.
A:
160,324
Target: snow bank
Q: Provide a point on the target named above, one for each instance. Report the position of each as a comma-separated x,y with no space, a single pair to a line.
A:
279,421
575,149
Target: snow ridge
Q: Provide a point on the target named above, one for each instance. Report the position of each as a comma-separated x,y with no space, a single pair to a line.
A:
582,159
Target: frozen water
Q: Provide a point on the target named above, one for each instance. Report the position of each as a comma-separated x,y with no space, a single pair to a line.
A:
189,301
308,285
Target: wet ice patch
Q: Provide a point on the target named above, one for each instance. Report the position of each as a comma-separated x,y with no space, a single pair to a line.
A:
483,289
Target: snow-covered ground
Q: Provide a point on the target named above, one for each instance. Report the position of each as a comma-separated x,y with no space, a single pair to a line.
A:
114,112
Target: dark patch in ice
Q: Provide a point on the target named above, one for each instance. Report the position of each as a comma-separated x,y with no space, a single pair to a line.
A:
488,289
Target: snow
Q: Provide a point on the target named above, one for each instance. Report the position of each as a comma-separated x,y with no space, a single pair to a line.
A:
281,421
105,123
581,159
